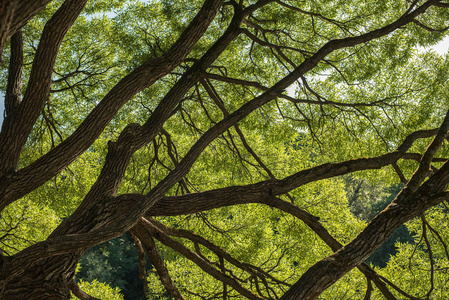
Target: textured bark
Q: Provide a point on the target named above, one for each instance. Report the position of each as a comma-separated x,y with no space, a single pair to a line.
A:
258,192
13,267
159,235
25,11
156,260
14,14
142,77
7,10
17,127
13,94
46,269
411,202
48,280
26,180
327,271
135,136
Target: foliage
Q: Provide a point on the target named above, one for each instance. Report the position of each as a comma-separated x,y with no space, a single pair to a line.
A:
24,223
115,263
100,290
241,143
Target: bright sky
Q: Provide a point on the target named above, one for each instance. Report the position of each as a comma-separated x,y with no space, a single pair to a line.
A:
442,47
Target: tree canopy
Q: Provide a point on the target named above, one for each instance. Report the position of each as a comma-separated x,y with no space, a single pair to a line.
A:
247,148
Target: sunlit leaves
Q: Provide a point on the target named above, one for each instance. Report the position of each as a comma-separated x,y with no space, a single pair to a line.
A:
24,223
99,290
359,101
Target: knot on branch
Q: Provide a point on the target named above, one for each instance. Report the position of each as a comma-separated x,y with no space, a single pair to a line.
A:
128,134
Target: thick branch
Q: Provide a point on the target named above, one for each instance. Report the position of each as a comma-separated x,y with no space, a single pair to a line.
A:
144,236
197,202
103,219
198,260
326,272
18,126
184,166
7,10
142,77
13,94
25,11
411,202
135,136
424,165
185,204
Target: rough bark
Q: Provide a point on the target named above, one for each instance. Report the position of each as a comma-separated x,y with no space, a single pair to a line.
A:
17,127
13,282
103,215
46,281
13,94
7,10
14,14
156,260
25,11
186,204
329,270
18,184
413,201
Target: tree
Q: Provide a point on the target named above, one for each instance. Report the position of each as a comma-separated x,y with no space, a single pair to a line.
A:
175,121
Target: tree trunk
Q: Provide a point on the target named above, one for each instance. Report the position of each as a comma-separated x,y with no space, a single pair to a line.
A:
46,279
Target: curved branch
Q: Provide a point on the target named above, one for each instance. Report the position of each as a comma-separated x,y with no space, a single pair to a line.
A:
108,216
221,253
424,166
420,24
135,136
186,163
13,95
25,11
157,261
198,260
129,207
411,202
18,126
142,77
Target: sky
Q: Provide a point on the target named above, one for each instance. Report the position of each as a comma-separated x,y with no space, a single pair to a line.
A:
441,48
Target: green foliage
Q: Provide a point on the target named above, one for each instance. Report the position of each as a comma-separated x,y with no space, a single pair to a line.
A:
99,290
24,223
398,78
263,236
115,263
423,263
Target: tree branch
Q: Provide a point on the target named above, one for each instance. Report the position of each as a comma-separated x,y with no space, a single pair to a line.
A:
7,11
142,77
18,126
25,11
254,271
410,202
13,94
157,261
424,166
198,260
